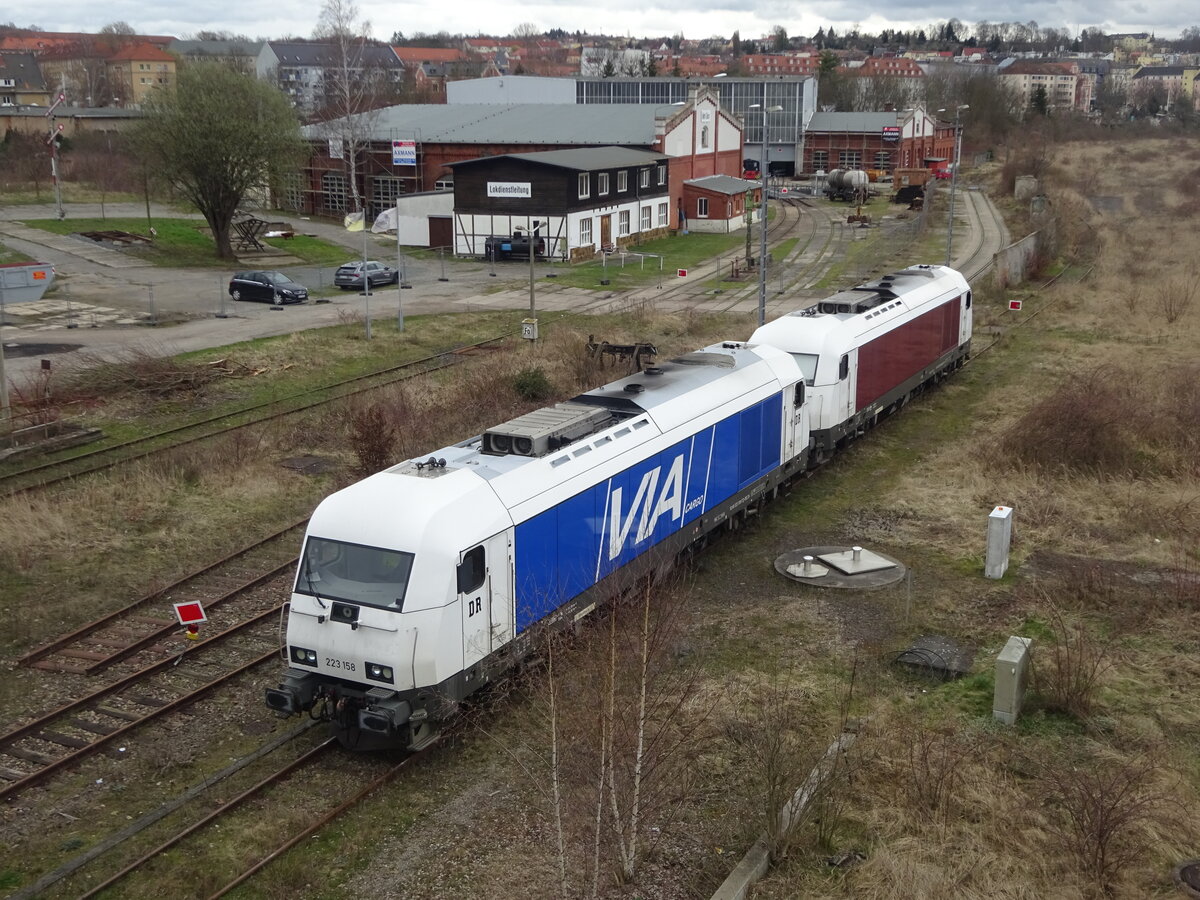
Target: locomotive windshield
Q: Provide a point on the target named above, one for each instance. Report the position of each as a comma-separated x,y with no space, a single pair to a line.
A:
371,576
808,365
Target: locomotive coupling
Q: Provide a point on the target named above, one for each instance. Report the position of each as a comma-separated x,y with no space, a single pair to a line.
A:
384,713
294,694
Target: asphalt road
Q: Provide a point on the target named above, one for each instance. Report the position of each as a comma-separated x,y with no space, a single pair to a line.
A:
109,303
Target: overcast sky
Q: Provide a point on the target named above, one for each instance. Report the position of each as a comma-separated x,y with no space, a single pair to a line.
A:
636,18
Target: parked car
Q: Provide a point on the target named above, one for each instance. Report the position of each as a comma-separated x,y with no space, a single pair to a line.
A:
350,275
270,287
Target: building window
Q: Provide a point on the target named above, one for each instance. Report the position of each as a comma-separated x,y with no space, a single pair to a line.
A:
622,181
647,217
585,232
820,160
849,159
444,184
704,138
585,185
662,174
386,190
883,160
702,207
602,184
293,192
662,214
334,186
644,178
623,222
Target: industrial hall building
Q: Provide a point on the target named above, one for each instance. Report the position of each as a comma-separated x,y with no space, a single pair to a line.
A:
406,158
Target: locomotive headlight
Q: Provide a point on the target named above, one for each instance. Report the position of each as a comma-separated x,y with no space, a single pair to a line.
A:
376,672
304,657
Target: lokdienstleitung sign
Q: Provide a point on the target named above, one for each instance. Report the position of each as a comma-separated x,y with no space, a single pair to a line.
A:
509,189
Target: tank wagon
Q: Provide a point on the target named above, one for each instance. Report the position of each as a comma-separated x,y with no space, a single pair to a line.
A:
847,184
421,584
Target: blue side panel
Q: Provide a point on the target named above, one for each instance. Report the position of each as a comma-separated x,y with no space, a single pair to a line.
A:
772,433
697,475
565,550
750,446
536,563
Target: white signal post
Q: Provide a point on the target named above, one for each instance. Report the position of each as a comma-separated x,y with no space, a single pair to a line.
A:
52,140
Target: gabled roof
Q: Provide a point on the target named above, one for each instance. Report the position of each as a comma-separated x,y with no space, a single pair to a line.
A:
570,124
216,48
429,54
142,52
321,55
1037,67
23,69
581,159
852,122
723,184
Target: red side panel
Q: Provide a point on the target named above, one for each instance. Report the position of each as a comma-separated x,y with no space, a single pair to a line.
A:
892,358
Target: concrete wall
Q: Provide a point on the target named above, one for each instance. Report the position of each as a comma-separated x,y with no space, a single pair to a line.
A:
1012,262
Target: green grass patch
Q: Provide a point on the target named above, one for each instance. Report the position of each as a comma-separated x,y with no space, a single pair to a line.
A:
8,255
187,242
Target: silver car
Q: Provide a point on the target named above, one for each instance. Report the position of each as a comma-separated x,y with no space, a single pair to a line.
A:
350,276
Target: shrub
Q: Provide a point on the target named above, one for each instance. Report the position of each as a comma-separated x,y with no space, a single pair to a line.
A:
1067,671
1105,812
533,384
372,437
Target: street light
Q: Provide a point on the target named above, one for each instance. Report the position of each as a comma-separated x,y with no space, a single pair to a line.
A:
954,177
762,223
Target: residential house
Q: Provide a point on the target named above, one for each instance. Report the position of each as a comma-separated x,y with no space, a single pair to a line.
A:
21,82
248,57
107,70
1064,89
307,72
135,70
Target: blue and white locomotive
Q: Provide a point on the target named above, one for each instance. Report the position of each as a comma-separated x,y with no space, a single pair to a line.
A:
419,584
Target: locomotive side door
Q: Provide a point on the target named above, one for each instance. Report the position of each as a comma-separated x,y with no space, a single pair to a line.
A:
485,595
795,421
500,580
473,590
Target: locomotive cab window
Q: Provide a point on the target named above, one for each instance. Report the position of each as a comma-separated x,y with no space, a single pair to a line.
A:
968,296
471,571
798,400
844,368
370,576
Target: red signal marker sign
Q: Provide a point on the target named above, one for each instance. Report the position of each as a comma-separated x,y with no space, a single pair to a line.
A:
1014,305
190,613
682,273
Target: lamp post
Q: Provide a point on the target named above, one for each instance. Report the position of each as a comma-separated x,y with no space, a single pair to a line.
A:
762,223
954,178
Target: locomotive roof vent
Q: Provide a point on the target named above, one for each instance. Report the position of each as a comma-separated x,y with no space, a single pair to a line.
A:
653,370
544,430
634,388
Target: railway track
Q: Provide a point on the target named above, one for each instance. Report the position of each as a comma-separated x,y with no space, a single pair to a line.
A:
163,675
52,472
354,779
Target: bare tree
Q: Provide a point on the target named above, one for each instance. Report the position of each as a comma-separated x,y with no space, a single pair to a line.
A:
347,85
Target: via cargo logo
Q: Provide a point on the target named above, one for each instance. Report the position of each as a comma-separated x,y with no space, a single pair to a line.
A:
656,496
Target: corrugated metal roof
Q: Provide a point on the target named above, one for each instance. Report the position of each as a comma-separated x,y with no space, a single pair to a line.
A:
569,124
723,184
869,122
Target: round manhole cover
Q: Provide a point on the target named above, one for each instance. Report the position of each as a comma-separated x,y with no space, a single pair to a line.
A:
1187,876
